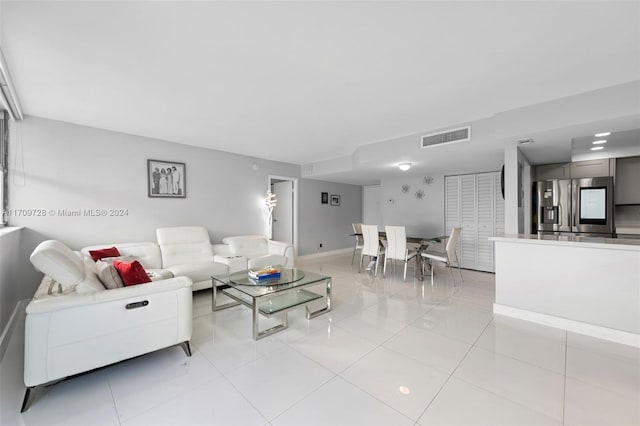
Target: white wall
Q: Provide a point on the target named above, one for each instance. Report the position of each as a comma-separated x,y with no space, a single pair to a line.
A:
517,191
422,217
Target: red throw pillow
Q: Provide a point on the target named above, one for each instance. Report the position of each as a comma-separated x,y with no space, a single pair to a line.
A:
132,273
105,252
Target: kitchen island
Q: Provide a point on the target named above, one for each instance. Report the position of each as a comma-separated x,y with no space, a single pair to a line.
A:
583,284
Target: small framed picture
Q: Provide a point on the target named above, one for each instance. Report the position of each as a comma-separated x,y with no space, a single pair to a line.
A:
335,200
166,179
325,198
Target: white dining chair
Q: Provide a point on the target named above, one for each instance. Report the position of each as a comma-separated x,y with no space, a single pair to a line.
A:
397,248
357,231
371,245
449,255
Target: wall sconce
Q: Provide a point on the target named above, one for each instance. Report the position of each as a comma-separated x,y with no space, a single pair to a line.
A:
404,166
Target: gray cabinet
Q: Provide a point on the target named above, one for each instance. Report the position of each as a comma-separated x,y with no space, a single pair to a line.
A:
552,171
474,203
627,190
576,170
591,168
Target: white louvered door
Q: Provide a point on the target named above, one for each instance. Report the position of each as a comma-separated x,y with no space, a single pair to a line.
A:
468,250
452,203
486,222
474,202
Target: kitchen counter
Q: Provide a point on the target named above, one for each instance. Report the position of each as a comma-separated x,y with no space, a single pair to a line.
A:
573,241
583,284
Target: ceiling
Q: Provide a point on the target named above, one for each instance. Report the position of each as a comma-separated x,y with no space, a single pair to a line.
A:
304,82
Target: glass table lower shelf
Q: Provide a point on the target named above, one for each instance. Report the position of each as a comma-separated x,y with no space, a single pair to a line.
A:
277,297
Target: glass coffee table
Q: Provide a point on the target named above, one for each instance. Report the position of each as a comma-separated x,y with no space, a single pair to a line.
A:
272,296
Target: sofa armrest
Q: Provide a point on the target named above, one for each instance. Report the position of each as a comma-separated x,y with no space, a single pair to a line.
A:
55,303
283,249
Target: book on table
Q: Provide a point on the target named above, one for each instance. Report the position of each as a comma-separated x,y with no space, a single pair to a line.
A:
268,273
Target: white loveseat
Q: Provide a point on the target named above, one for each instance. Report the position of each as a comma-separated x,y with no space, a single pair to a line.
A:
74,324
252,252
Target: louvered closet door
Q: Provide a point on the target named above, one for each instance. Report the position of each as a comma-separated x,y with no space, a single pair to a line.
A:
485,201
468,249
452,203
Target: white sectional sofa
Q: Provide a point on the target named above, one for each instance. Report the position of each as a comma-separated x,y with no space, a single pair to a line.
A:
187,250
253,252
180,251
74,324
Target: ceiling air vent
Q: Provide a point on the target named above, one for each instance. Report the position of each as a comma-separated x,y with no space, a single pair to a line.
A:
450,136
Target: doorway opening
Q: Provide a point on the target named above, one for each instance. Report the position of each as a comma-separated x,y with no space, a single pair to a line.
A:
285,213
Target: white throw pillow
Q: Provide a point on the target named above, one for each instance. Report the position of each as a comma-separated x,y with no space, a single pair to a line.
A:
108,275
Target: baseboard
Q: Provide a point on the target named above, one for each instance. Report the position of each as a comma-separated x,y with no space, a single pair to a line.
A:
8,330
325,254
618,336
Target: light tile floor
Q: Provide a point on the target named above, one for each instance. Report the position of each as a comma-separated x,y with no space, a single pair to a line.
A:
390,353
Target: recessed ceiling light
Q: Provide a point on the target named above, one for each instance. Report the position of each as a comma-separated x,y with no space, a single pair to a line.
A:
404,166
600,135
600,142
597,148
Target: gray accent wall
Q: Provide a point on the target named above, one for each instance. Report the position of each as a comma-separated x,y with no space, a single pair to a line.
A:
323,223
422,217
70,168
58,166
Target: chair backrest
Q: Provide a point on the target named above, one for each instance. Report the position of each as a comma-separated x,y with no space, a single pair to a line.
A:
357,229
452,243
371,240
184,244
396,242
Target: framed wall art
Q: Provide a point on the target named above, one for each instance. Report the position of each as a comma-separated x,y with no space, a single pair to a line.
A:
325,198
166,179
335,200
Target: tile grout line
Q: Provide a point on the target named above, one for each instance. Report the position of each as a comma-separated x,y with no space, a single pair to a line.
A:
564,390
454,370
115,406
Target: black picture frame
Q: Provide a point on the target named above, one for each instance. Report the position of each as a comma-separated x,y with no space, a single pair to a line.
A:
335,200
166,185
325,198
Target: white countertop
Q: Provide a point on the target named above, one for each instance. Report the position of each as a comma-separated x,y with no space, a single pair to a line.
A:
572,240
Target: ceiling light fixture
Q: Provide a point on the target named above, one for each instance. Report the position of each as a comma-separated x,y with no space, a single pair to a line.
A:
404,166
597,148
600,142
603,134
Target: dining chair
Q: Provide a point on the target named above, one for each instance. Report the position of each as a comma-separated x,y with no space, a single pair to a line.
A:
371,245
397,248
449,255
357,231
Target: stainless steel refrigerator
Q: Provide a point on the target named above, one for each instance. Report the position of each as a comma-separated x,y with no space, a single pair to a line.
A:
580,206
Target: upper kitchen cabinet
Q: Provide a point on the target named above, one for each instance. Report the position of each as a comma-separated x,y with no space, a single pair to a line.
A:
552,171
627,190
592,168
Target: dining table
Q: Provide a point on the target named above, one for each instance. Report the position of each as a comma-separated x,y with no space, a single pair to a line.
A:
422,242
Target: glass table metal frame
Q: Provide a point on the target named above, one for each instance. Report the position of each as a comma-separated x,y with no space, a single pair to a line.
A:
277,296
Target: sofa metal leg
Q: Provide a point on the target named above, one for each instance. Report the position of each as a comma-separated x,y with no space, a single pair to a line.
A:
29,396
186,347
